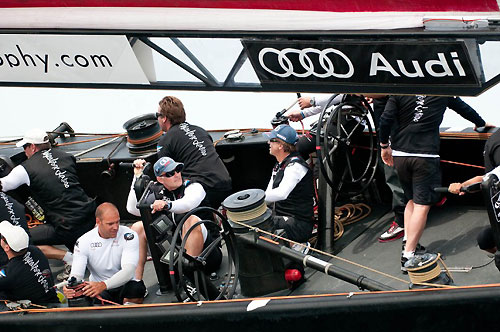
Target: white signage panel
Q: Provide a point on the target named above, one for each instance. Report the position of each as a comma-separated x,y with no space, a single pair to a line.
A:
69,59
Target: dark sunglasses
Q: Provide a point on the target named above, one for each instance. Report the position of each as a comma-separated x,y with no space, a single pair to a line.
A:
273,140
158,115
26,145
171,173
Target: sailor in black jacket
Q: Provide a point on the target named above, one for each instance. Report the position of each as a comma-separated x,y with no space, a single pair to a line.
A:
27,274
53,181
192,146
12,211
414,151
174,196
290,188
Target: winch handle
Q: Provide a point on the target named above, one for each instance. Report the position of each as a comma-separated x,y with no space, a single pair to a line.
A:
144,202
126,165
471,188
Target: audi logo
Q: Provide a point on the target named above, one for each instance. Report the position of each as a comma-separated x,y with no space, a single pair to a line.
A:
305,61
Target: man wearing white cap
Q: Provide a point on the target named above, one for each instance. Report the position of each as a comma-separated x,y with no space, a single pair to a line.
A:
27,275
53,181
290,188
14,212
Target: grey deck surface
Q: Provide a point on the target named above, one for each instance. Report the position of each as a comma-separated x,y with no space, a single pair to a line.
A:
450,230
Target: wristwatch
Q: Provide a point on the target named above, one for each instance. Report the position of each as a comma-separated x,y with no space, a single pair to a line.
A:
384,146
313,101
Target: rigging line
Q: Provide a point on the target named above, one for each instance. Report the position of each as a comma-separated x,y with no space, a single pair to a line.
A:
91,139
462,164
483,265
321,252
96,147
84,134
114,150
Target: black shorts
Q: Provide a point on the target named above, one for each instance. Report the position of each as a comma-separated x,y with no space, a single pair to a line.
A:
419,176
485,239
46,234
131,290
295,230
214,259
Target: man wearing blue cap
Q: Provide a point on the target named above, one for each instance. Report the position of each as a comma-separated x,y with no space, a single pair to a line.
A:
174,196
290,188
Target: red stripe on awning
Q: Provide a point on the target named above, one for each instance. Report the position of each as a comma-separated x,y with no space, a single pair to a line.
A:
318,5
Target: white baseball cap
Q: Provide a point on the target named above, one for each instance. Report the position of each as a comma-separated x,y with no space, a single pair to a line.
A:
16,236
34,136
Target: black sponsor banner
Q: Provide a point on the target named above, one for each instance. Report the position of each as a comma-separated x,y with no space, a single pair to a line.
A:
415,63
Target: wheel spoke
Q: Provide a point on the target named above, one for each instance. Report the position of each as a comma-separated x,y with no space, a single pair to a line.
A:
197,285
349,166
208,250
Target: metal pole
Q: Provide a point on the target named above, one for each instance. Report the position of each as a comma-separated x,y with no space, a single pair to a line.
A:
359,280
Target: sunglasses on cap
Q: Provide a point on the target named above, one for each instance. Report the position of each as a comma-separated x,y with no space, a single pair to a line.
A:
171,173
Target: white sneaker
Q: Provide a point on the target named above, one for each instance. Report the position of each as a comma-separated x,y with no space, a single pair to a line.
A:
394,232
303,248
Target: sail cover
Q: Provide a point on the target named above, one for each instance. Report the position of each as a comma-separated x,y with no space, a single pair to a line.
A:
235,15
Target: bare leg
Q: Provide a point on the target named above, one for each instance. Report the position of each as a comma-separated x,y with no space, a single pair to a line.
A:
137,300
138,227
194,243
52,252
416,225
408,213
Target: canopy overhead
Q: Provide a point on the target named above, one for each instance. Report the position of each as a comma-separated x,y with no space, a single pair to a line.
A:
235,15
399,47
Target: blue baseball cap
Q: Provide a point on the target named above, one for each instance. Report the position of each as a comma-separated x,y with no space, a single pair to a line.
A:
165,165
285,133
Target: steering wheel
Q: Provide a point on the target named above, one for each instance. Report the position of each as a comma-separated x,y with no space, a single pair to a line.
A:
352,165
188,274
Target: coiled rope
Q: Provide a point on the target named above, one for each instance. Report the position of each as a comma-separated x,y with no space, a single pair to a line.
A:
348,214
422,274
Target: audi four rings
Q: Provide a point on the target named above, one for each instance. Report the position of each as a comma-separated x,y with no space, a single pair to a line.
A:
305,61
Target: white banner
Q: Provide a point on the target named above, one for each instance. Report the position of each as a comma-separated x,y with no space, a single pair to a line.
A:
69,59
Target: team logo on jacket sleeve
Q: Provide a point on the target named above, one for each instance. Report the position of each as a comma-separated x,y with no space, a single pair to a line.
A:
128,236
2,273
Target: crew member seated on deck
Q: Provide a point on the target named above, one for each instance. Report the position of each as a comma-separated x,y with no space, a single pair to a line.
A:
290,189
110,252
27,275
485,238
175,196
14,212
53,181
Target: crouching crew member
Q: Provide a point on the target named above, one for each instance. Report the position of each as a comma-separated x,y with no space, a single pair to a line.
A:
53,181
175,196
290,188
111,253
27,275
